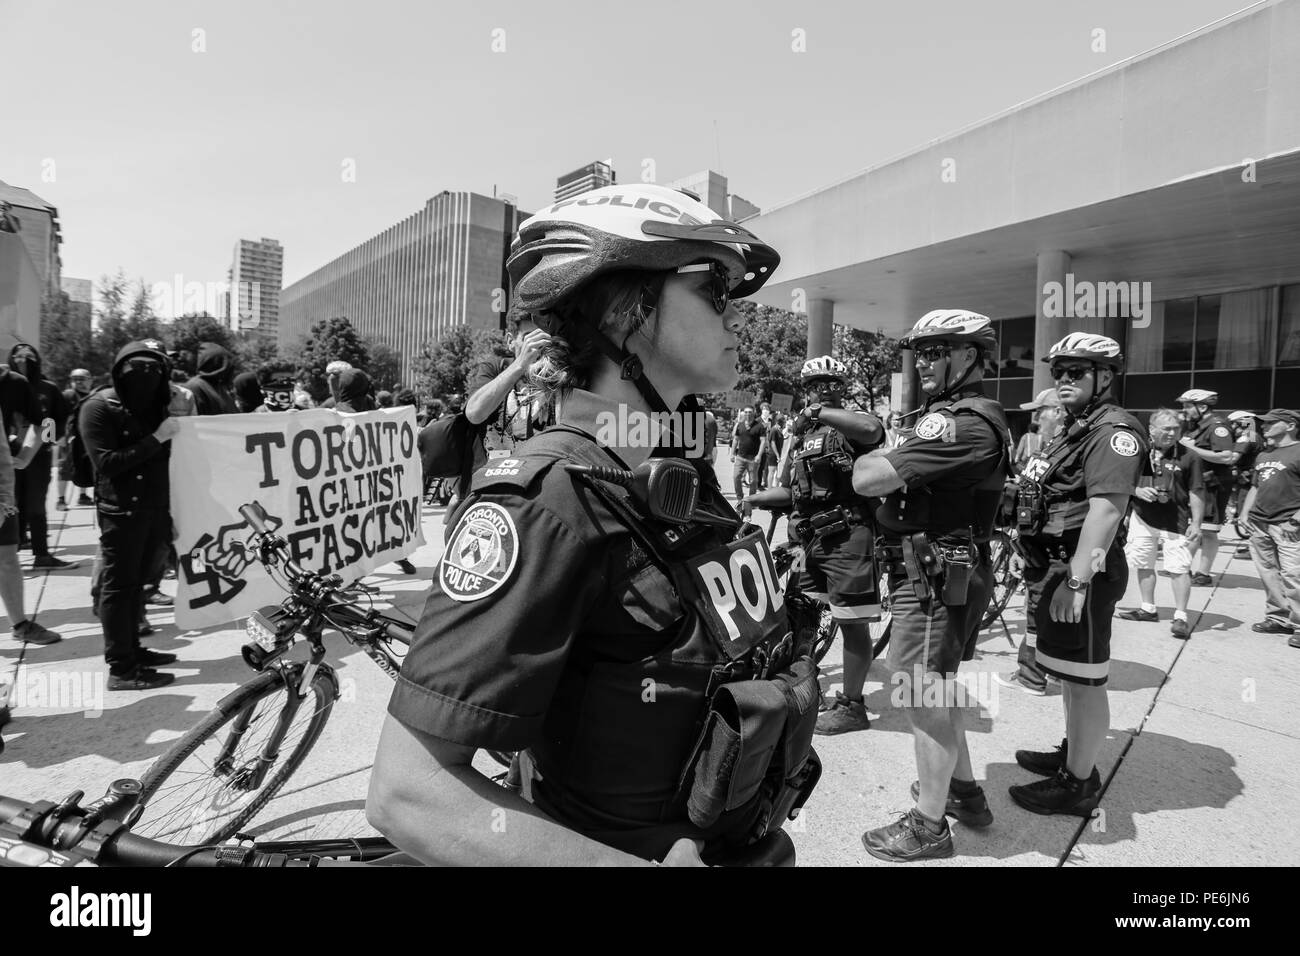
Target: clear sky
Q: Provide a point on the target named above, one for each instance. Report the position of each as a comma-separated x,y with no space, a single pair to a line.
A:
162,157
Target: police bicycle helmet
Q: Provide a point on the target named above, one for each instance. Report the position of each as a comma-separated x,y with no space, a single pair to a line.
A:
952,327
1089,347
639,226
1199,396
823,367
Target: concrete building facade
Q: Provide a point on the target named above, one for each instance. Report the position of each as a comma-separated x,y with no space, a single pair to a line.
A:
256,276
585,179
712,188
40,233
412,283
1157,201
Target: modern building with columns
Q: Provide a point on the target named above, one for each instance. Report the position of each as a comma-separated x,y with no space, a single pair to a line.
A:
1157,201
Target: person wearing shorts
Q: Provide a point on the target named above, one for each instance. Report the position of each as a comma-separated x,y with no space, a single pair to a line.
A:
1070,507
1168,506
1210,438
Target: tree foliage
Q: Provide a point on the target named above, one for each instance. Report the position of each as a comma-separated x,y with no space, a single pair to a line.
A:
441,367
385,368
188,332
328,340
140,322
66,342
111,331
871,357
773,346
253,351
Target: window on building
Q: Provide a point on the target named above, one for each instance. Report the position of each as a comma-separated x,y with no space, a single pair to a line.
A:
1288,338
1165,344
1016,347
1234,330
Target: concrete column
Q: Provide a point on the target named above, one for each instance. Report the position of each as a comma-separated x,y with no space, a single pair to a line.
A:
1052,267
911,397
821,320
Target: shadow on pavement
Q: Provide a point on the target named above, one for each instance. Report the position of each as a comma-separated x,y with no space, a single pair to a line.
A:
1130,675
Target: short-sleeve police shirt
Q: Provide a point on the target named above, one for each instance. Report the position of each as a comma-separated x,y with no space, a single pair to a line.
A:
537,569
946,452
1215,435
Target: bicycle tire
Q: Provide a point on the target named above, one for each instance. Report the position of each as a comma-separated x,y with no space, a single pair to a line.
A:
1005,582
268,685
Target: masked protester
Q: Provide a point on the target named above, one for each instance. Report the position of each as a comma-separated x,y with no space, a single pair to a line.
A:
212,385
79,388
248,392
33,482
127,429
277,389
356,393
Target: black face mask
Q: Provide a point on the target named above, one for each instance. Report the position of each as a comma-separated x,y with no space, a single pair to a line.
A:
277,398
139,390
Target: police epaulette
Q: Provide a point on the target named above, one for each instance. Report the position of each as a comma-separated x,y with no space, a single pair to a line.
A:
512,472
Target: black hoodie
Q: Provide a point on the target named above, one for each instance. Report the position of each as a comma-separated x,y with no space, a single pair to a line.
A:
130,464
211,387
48,395
356,393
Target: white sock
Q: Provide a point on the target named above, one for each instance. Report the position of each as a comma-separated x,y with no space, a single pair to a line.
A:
1180,615
1149,608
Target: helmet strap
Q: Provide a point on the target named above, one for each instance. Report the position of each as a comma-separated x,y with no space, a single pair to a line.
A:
948,389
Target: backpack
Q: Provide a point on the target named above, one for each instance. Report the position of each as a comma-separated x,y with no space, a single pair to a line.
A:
83,469
451,447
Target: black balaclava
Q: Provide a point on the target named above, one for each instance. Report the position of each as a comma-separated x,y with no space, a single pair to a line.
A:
355,390
143,395
26,361
248,392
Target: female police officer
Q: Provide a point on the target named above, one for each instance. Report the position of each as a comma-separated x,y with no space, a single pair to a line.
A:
565,622
1072,500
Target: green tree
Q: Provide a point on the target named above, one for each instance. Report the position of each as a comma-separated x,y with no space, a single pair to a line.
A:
327,341
111,332
66,342
140,322
188,332
253,352
385,368
441,367
871,357
773,346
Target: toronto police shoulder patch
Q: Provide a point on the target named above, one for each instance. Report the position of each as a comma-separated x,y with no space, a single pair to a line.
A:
1122,443
481,553
1221,432
931,426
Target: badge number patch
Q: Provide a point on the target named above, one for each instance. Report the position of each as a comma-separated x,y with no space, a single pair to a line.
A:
1124,444
481,554
931,426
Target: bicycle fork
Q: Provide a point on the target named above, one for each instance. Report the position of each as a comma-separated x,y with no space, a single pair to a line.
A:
251,776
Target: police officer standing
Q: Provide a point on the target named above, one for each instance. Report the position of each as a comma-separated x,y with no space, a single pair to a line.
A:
834,524
944,486
1071,503
1211,439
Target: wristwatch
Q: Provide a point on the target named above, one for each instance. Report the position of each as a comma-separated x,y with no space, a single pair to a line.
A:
1074,584
814,411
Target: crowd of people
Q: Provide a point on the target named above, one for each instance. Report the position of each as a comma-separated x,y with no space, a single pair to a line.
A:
108,448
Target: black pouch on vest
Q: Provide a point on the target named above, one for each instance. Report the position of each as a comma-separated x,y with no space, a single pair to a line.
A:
735,749
956,583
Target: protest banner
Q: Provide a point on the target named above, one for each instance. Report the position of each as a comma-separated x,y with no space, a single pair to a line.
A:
738,398
781,402
343,490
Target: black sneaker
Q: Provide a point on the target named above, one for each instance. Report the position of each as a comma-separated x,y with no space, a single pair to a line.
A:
1271,627
1180,629
158,599
48,562
842,715
908,839
1063,793
151,658
1139,614
32,633
1045,764
141,678
972,809
406,566
60,506
85,500
144,629
1202,580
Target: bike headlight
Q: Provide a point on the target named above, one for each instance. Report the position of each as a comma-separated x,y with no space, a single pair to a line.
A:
262,631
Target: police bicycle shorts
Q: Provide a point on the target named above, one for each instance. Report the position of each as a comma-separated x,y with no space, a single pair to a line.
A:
930,635
1079,652
838,569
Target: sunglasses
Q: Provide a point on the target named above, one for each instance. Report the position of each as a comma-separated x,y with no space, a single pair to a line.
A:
932,353
1073,372
143,366
825,386
718,286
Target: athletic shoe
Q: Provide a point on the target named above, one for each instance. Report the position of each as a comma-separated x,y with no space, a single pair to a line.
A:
29,632
1063,793
971,809
1271,627
48,562
406,566
1042,762
142,678
909,839
1180,629
144,629
85,500
1027,680
150,658
1202,580
60,506
1139,614
842,716
158,599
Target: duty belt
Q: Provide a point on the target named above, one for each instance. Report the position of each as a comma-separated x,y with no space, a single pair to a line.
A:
837,519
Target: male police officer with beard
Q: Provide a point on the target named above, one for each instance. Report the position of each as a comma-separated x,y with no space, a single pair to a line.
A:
1210,438
1070,510
944,486
834,524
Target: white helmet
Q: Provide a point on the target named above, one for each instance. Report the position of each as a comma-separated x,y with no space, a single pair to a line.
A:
1241,416
823,367
1199,396
1088,346
958,326
640,226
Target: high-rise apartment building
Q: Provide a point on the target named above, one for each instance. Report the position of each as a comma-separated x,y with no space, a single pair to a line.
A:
711,187
440,268
584,179
256,275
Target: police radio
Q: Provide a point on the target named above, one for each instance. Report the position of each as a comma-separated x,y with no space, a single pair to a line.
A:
668,489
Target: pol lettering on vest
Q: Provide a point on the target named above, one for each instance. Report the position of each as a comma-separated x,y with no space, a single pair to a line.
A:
481,554
743,591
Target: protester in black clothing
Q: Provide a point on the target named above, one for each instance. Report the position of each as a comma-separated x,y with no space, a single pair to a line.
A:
248,392
211,386
126,429
19,405
33,482
80,385
356,392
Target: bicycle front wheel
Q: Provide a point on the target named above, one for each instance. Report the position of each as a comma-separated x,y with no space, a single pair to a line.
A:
1005,580
223,771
